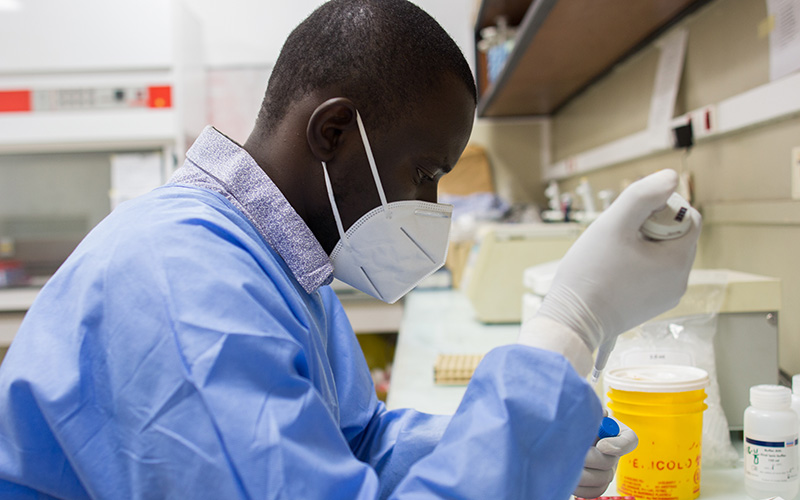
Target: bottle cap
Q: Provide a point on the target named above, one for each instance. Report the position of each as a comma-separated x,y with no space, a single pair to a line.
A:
771,397
608,428
796,384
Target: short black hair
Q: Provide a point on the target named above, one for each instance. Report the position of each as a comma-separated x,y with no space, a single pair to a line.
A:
384,55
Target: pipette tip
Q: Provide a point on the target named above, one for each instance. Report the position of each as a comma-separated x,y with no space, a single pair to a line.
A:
596,375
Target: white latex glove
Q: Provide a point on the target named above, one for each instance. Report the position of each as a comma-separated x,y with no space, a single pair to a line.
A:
613,278
601,462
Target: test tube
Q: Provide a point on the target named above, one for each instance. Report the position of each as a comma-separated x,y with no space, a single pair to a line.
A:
608,428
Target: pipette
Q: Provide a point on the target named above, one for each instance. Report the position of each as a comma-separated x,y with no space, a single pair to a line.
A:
669,223
603,352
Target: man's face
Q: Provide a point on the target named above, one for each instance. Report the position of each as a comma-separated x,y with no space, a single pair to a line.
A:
412,154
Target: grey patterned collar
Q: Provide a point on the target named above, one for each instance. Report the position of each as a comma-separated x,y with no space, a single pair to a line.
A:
217,163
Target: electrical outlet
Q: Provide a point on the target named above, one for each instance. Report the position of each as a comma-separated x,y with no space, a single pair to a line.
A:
796,173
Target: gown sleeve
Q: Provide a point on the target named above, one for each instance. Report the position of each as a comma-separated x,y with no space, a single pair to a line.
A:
521,431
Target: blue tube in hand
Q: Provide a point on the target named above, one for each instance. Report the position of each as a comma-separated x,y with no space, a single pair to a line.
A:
608,428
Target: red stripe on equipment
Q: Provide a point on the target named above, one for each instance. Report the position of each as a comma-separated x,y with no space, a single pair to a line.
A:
159,97
15,100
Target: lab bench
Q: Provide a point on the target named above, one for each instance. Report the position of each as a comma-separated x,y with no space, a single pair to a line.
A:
442,322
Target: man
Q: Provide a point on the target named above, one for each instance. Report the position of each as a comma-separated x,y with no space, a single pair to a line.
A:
191,348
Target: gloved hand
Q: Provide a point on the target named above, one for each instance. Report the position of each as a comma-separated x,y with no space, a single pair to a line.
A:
613,278
601,462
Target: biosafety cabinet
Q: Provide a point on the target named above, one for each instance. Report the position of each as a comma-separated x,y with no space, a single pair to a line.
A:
99,100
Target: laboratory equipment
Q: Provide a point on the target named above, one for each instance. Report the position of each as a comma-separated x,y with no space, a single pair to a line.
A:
600,361
670,222
584,190
455,369
796,398
12,273
566,206
69,103
493,275
554,213
67,92
664,404
497,42
771,458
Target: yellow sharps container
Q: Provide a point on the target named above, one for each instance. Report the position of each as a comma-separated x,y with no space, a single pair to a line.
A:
664,405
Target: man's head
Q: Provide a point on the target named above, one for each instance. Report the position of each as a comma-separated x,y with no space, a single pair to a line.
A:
393,64
384,55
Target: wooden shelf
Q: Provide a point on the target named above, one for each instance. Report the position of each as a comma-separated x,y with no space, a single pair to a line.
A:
563,46
514,10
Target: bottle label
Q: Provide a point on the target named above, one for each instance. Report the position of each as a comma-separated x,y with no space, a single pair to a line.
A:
771,461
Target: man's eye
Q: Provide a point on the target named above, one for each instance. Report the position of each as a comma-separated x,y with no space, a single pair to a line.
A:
423,175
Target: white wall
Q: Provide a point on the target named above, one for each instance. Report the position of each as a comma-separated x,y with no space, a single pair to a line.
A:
251,32
248,32
456,17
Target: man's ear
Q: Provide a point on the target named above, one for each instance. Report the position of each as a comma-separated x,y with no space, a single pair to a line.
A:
326,125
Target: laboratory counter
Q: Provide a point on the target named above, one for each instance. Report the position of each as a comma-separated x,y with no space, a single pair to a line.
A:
442,322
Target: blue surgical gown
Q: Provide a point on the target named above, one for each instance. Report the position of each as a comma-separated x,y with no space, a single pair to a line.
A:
173,355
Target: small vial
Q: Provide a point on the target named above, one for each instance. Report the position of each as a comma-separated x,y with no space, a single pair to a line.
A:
608,428
771,458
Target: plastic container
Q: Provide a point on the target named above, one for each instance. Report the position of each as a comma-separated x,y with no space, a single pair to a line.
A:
664,405
770,443
796,398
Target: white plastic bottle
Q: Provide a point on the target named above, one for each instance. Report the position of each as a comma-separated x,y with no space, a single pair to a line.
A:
796,398
771,459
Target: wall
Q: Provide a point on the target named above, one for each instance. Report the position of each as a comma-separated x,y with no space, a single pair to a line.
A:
725,57
244,32
514,150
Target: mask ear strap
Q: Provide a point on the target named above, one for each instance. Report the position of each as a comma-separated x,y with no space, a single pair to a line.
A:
371,159
336,216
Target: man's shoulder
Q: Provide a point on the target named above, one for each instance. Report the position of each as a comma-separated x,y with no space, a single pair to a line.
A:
179,210
193,223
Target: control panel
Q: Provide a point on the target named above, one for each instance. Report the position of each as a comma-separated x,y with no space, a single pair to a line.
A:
85,99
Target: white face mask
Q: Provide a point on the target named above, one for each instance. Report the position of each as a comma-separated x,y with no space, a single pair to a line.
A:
393,247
